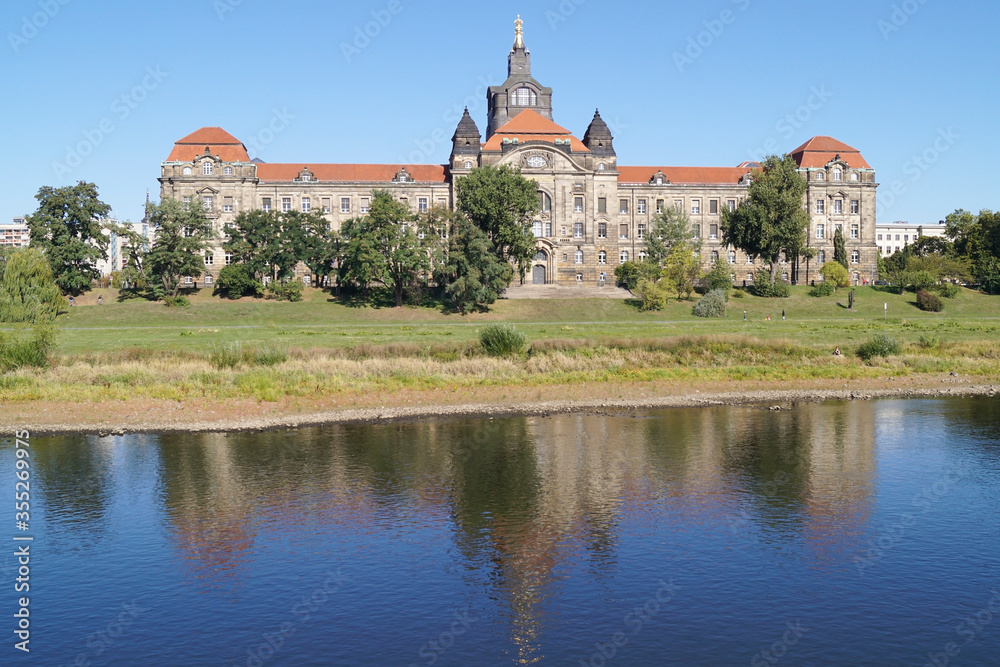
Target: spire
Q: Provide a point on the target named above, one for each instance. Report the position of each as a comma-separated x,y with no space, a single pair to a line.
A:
467,140
598,138
518,33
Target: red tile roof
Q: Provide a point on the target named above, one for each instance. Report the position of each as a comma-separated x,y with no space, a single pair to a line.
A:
529,125
219,142
686,175
821,151
352,173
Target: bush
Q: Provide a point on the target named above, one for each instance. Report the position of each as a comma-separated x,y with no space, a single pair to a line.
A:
501,340
712,304
919,281
284,291
738,294
881,345
226,355
28,290
929,302
762,286
26,352
719,278
629,274
653,295
822,289
835,274
947,290
236,281
176,301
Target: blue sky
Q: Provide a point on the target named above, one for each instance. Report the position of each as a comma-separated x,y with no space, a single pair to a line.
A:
100,91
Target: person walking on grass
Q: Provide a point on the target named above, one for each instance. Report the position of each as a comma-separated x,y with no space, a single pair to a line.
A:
782,315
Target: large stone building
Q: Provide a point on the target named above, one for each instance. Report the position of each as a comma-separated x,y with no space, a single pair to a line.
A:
594,212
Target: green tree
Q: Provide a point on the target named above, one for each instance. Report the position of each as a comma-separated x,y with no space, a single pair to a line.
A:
473,275
237,281
652,293
681,270
840,248
720,277
501,202
322,247
629,274
771,221
67,228
978,239
670,227
28,290
384,247
835,274
183,234
271,244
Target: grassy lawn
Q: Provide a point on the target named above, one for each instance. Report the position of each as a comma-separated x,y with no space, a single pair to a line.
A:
321,322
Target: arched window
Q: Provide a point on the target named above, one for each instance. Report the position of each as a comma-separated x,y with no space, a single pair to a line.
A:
206,169
820,176
541,256
545,202
579,257
624,256
732,256
228,171
601,167
187,171
838,175
525,97
821,257
854,176
602,257
468,165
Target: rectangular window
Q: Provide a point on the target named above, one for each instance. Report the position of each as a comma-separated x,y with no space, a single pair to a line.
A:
286,204
578,230
578,204
442,202
187,203
855,232
713,232
821,232
713,206
879,237
623,206
266,206
536,228
838,206
659,206
623,232
678,205
855,207
641,231
602,231
641,207
695,207
365,206
820,206
227,205
731,204
548,229
422,204
326,204
345,204
209,260
897,237
306,204
229,258
602,205
207,201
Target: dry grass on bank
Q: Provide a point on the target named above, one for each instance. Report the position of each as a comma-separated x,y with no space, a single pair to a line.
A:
271,374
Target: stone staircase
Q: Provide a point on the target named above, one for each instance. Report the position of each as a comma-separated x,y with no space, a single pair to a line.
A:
559,292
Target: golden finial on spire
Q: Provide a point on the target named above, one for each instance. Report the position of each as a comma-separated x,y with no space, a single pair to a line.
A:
518,33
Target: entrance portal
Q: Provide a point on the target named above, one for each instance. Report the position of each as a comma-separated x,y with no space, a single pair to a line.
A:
538,275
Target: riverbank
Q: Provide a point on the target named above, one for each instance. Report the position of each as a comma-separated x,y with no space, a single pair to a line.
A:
234,415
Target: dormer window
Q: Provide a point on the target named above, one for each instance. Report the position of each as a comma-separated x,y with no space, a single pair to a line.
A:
306,178
601,167
227,171
187,171
838,175
659,181
206,169
468,165
525,97
820,176
402,178
854,176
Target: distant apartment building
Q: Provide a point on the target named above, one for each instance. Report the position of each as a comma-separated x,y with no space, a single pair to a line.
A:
117,256
895,236
14,234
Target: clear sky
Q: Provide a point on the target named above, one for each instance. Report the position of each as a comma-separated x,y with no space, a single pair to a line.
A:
100,90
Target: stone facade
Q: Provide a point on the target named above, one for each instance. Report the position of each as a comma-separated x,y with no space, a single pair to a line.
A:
594,212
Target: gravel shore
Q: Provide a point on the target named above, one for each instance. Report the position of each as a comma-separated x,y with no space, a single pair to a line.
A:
171,417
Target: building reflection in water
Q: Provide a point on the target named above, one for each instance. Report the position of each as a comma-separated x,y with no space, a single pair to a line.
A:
528,500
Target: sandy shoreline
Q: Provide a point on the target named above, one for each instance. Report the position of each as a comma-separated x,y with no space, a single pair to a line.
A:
234,416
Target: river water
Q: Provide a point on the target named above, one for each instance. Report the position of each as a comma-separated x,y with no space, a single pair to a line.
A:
828,534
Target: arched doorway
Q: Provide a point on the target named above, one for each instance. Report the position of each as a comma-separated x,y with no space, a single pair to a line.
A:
539,273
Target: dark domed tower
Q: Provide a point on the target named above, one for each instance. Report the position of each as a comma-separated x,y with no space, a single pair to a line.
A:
520,91
598,137
466,144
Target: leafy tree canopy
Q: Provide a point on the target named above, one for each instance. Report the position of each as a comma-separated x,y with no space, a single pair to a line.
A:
28,290
183,234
